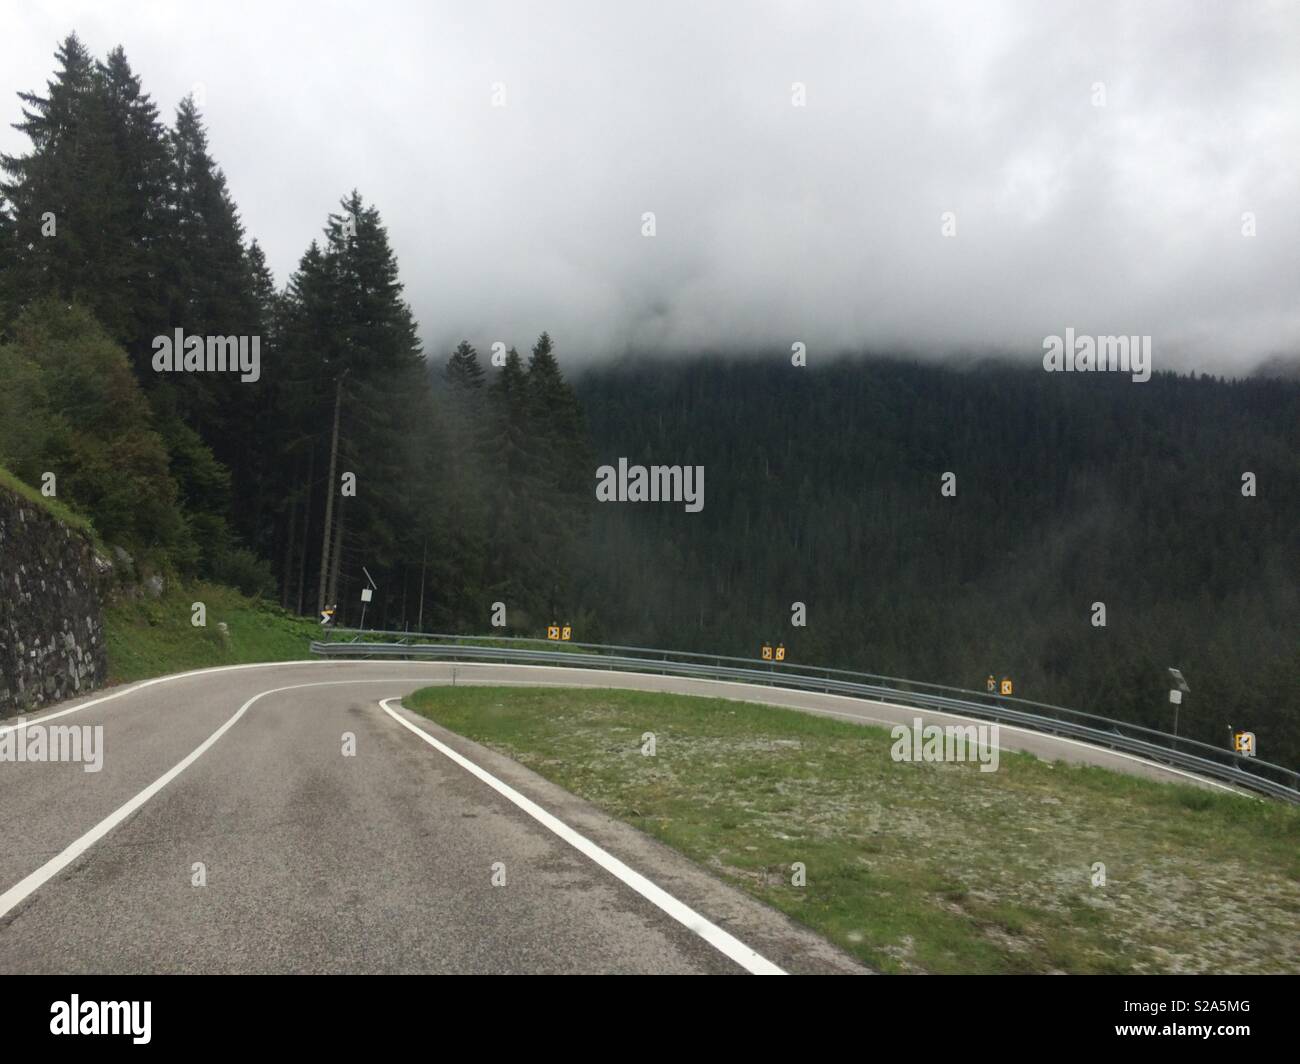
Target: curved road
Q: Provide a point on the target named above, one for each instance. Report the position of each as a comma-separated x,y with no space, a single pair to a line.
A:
227,832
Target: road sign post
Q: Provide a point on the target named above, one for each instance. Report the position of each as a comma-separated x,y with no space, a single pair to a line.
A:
1176,693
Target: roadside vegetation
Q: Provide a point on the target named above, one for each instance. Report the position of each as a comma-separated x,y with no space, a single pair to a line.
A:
152,637
51,506
919,867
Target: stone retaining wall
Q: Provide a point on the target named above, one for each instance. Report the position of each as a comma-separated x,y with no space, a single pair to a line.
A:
51,614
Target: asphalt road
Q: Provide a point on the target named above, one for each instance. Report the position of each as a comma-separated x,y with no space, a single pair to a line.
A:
227,831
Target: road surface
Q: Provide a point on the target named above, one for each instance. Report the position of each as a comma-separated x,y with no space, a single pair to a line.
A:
227,831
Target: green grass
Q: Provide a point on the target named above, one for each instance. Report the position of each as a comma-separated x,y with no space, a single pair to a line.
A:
51,506
152,637
920,867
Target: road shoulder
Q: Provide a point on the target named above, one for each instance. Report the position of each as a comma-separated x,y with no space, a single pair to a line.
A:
773,934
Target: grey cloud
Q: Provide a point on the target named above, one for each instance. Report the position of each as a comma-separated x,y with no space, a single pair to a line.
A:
775,223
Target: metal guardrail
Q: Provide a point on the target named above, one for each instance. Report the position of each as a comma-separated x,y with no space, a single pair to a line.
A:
1213,762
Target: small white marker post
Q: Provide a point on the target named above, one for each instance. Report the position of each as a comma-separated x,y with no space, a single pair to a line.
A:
1176,696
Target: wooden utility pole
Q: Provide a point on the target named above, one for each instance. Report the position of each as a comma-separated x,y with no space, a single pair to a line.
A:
286,584
424,557
330,489
306,529
332,596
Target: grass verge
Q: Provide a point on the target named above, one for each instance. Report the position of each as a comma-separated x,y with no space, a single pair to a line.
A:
51,506
919,867
152,637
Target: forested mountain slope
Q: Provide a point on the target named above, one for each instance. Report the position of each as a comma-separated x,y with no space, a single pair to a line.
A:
823,486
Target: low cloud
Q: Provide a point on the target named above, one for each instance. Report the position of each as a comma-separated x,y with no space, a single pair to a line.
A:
774,223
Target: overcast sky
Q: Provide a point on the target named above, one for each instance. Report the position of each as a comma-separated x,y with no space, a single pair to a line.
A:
775,223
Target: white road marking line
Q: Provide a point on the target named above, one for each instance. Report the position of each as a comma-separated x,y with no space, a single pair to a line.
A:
30,884
651,675
142,684
149,683
724,943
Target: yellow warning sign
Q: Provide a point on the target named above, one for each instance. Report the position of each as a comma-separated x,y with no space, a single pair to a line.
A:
566,632
780,653
552,631
1007,687
767,652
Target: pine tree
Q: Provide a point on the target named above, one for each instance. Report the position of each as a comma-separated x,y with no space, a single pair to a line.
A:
87,203
104,216
302,393
58,186
463,370
133,270
345,313
214,289
252,417
559,437
459,450
212,283
8,267
514,487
